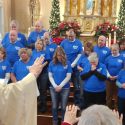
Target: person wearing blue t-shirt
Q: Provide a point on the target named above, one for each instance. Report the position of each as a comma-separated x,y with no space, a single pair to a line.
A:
114,64
50,46
12,48
122,47
101,49
43,80
5,67
121,93
20,36
59,75
82,62
21,67
94,76
36,34
73,50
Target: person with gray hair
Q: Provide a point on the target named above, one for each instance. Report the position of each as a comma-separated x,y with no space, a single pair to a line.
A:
114,63
94,76
36,34
21,67
14,25
93,115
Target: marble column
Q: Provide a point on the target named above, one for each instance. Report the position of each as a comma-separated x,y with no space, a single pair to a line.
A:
67,8
114,8
83,7
97,7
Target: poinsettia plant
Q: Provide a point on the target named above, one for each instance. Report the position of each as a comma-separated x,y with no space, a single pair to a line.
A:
59,33
106,28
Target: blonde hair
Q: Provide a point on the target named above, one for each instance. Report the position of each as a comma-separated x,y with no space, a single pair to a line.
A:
98,115
40,41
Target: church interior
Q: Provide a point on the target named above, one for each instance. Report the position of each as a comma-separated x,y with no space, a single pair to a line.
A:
89,15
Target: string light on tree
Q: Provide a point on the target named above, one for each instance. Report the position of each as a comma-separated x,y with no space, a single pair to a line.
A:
55,14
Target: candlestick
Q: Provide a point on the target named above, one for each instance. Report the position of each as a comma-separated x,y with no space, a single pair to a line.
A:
114,37
109,40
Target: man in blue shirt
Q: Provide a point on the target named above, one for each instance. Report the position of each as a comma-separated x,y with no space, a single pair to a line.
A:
101,50
73,50
13,47
20,37
50,46
36,34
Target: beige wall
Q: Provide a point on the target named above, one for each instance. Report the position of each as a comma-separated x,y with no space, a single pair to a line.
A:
19,10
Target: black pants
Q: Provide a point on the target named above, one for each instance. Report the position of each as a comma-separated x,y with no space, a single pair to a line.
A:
91,98
121,108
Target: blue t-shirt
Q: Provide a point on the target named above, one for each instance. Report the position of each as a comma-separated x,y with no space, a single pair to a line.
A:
21,69
72,49
114,64
122,53
93,83
121,79
12,52
21,38
51,48
83,61
102,53
4,68
34,36
59,72
44,53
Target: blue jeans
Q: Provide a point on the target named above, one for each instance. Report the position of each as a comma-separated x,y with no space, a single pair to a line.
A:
121,108
57,97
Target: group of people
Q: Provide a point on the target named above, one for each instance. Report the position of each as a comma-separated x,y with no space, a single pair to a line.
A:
96,72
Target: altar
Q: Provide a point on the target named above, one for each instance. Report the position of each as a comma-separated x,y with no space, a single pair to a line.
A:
90,13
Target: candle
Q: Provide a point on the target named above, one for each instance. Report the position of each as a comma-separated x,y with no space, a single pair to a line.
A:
109,40
114,37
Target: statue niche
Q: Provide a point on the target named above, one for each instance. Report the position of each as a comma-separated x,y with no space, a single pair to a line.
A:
34,9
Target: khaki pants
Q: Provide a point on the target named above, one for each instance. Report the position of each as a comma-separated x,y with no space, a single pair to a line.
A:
111,94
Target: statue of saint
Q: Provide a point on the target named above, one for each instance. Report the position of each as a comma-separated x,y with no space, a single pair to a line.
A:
89,7
34,8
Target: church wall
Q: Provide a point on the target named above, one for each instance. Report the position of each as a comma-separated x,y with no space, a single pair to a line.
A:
20,12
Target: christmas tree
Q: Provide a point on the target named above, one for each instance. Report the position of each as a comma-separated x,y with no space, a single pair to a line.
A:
55,14
121,19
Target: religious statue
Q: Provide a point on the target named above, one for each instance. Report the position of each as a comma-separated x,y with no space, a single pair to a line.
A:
89,7
34,8
67,7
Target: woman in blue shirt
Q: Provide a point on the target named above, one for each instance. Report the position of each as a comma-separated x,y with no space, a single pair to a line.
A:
5,67
59,75
94,75
43,79
114,63
21,67
121,93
